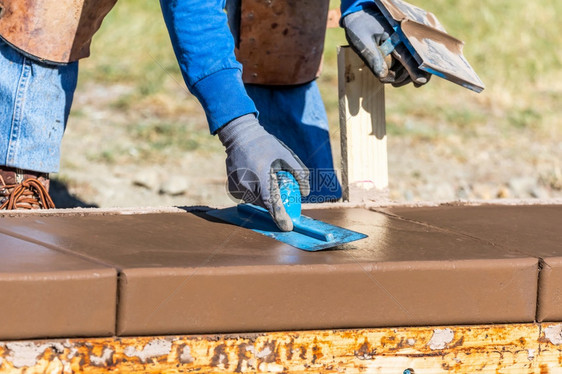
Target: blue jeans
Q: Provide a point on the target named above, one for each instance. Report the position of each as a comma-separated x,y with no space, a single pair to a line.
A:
296,116
35,100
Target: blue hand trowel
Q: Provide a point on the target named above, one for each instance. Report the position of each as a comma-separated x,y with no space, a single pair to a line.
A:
308,234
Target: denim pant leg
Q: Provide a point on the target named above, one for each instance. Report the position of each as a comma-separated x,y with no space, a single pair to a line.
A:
296,115
35,100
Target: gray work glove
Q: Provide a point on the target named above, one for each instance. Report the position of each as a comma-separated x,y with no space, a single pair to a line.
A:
253,159
366,30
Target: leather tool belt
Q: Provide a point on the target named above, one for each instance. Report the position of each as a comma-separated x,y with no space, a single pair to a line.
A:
56,31
281,41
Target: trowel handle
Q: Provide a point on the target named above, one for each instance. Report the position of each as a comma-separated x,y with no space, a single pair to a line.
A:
291,198
290,194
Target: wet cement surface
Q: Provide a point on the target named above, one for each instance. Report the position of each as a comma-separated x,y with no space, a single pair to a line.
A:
533,230
194,239
183,273
46,293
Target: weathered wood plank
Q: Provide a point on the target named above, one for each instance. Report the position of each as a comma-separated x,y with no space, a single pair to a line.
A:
514,348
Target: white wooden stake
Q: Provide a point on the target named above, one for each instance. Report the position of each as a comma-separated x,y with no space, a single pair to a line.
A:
363,129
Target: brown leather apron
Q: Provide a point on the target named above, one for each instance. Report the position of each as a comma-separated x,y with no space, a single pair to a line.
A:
281,41
58,31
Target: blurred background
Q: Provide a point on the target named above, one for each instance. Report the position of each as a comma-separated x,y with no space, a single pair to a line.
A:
136,137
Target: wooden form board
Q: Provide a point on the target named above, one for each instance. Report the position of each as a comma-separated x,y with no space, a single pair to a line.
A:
513,348
363,129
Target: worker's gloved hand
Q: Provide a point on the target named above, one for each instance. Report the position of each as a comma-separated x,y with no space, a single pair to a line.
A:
366,30
253,159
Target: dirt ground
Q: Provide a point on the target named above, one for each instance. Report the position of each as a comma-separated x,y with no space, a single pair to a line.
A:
106,163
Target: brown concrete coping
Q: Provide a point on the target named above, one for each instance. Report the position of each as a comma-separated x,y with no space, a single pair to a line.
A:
45,293
535,230
185,273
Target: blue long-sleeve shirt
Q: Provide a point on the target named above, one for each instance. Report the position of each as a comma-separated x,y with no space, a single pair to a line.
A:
351,6
204,48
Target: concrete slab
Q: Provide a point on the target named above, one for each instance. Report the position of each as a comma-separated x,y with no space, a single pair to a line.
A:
185,273
45,293
533,230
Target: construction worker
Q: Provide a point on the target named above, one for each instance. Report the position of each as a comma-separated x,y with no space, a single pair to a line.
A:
280,46
38,70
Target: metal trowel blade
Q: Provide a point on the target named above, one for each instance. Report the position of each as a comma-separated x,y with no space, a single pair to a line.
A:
309,234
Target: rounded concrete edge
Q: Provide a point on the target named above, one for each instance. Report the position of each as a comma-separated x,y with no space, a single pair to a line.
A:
336,205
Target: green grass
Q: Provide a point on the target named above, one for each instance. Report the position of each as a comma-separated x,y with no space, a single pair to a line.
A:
514,45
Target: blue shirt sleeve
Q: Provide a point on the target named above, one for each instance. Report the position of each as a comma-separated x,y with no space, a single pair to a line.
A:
204,48
351,6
